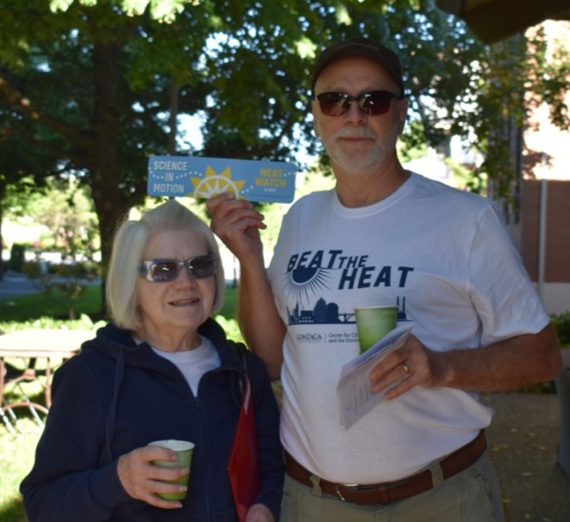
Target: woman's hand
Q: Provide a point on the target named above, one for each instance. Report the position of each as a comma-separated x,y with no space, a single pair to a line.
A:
259,513
143,480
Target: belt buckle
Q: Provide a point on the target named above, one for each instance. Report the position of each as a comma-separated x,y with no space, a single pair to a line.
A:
339,494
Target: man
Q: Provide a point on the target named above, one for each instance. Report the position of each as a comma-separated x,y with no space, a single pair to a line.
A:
386,236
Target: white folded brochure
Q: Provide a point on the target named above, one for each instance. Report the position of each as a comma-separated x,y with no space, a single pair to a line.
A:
354,390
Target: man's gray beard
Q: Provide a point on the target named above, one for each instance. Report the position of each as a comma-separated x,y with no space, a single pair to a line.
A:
349,160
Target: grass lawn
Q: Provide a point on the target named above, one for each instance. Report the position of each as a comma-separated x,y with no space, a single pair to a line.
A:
54,304
16,459
58,305
17,453
37,311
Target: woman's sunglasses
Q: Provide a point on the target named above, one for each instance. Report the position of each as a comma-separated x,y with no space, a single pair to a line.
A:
372,103
167,270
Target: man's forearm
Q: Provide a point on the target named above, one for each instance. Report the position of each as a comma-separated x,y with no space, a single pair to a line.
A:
506,365
260,323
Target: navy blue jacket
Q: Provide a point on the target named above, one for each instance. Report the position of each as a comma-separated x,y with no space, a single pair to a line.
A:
114,397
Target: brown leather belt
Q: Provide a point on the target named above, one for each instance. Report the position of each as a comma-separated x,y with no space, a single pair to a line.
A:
388,492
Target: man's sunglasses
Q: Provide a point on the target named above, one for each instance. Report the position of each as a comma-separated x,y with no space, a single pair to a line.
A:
167,270
371,103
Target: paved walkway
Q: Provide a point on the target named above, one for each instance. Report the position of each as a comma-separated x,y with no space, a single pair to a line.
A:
523,441
16,285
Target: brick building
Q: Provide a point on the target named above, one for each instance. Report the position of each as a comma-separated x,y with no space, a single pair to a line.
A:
545,198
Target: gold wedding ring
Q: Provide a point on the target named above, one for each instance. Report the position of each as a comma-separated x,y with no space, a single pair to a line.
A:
406,368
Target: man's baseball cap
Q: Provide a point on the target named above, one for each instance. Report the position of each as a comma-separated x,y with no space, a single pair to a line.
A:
366,48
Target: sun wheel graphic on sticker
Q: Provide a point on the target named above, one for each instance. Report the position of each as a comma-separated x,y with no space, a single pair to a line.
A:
213,183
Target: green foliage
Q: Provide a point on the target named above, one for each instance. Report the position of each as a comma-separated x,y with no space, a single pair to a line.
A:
412,144
163,10
84,270
561,323
231,328
479,92
90,88
65,209
16,193
17,457
84,322
514,78
466,178
70,280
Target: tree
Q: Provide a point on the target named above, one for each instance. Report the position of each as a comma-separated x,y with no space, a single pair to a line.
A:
91,88
88,91
65,209
66,84
12,188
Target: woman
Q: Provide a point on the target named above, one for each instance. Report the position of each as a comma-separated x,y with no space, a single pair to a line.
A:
162,369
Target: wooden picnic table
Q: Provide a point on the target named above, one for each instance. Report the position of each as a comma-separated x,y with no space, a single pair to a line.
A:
31,345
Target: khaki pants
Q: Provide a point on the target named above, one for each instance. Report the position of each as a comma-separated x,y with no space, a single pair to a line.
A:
470,496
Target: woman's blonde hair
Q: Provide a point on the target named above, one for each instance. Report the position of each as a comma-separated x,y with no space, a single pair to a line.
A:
127,255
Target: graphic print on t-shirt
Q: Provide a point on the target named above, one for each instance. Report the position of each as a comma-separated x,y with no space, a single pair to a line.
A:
310,274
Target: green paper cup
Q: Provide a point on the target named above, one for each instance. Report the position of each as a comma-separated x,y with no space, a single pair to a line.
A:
184,450
373,323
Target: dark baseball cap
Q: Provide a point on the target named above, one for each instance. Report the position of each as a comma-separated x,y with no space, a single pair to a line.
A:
366,48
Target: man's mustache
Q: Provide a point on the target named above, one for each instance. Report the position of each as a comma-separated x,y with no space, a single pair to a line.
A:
359,132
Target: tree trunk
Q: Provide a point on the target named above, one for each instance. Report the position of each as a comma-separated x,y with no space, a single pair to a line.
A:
110,203
1,241
173,118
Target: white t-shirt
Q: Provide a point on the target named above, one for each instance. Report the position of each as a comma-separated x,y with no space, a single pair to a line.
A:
194,363
444,258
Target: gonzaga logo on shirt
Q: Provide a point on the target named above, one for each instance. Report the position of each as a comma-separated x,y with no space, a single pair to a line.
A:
309,338
329,338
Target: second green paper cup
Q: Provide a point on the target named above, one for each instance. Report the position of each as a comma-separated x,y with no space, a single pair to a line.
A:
373,323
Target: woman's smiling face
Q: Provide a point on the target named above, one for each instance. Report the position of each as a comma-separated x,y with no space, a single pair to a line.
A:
184,303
